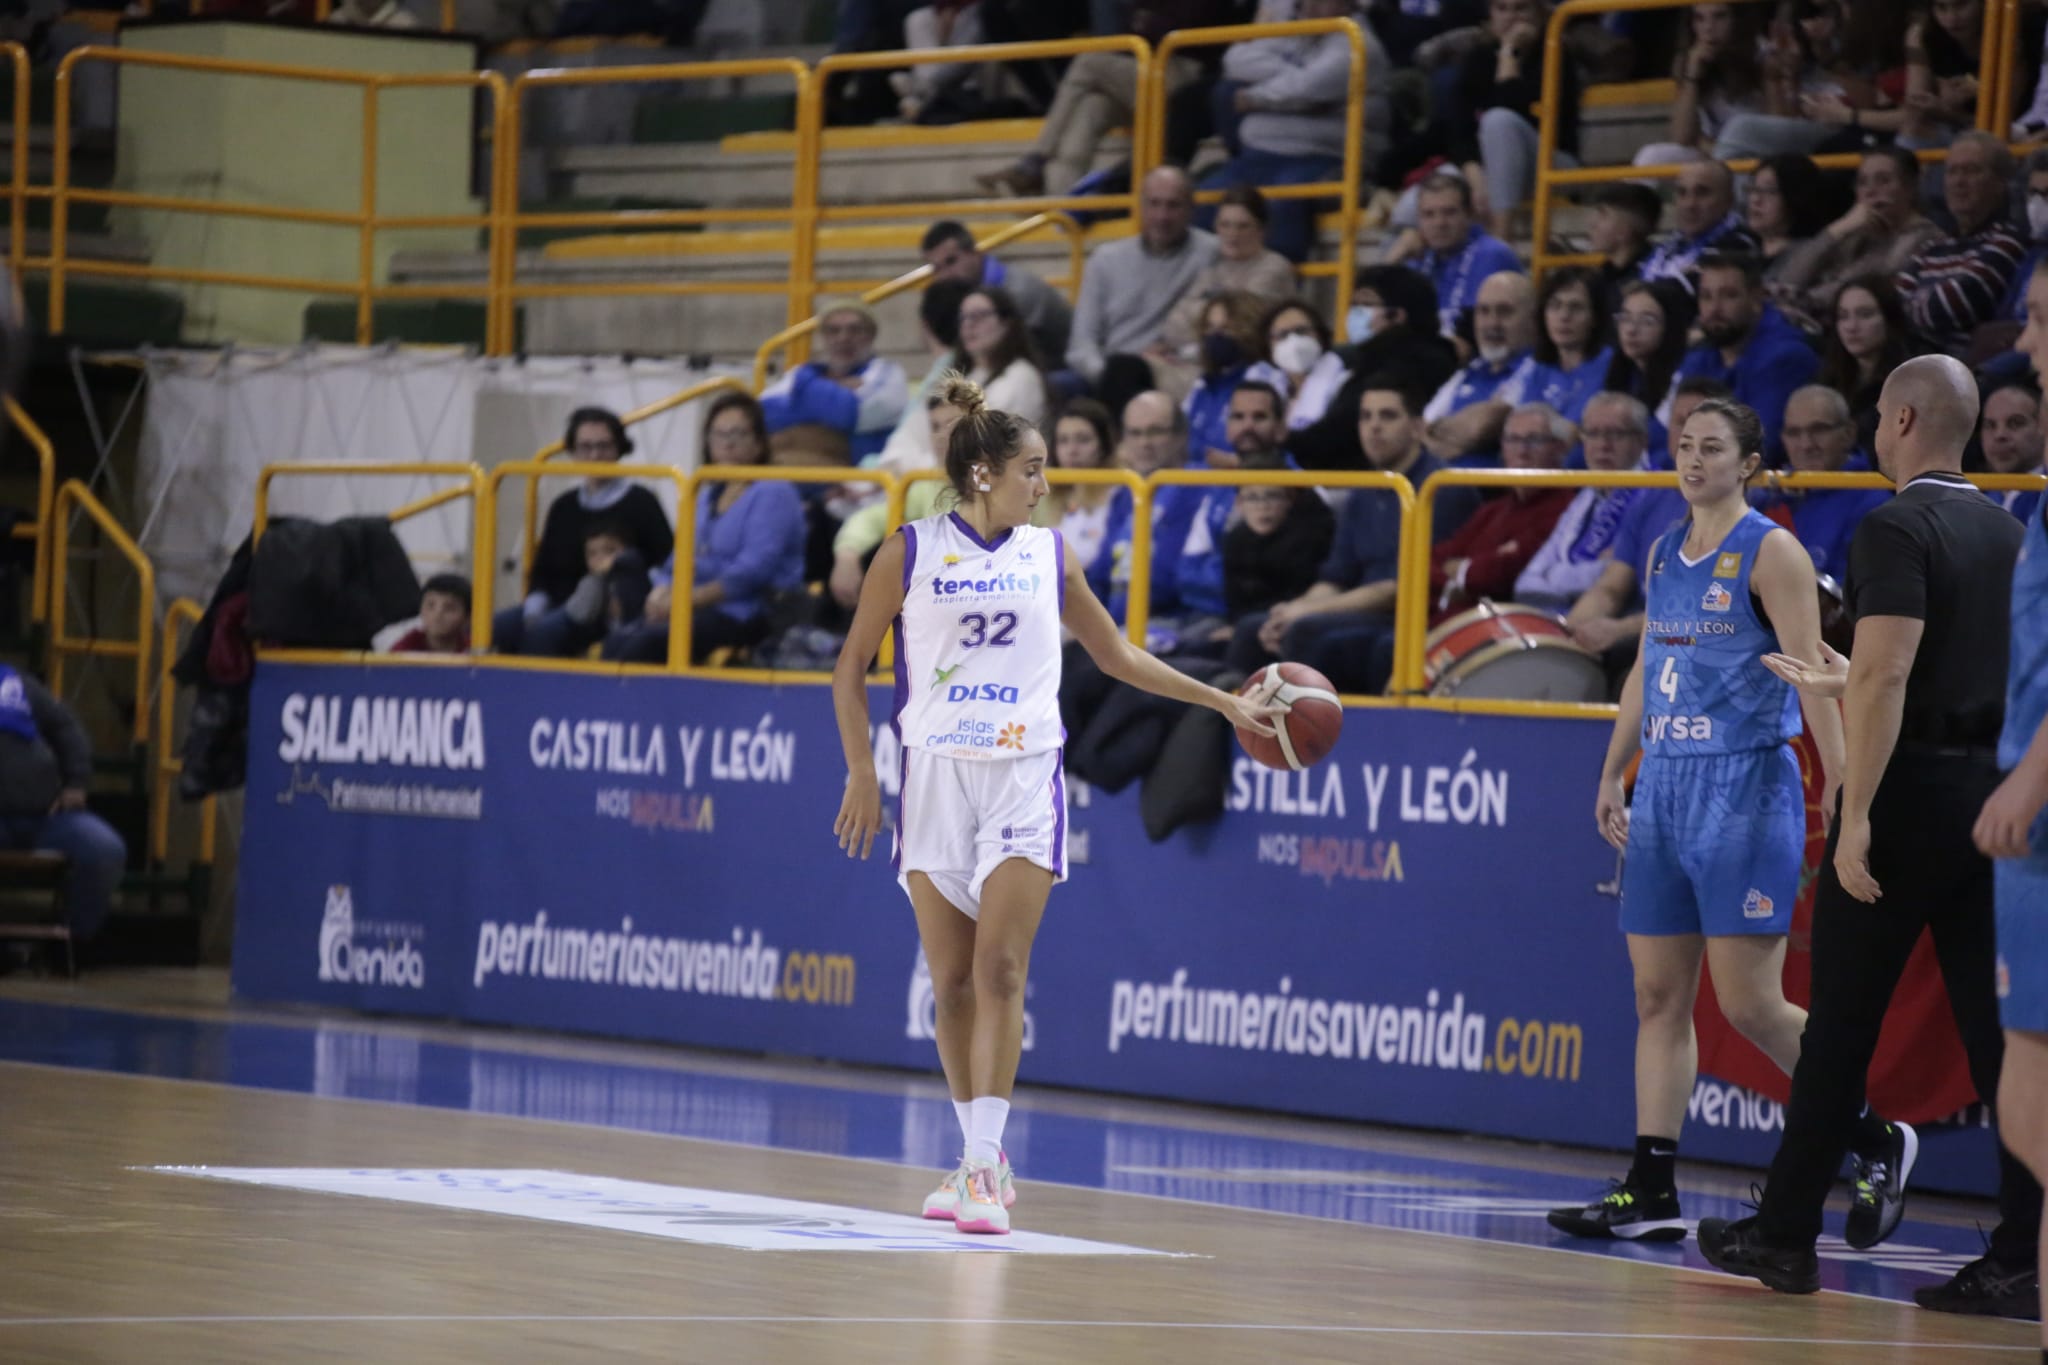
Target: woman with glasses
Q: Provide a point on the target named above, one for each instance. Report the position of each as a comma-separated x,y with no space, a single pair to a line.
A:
1650,330
1573,353
1300,361
1788,202
997,353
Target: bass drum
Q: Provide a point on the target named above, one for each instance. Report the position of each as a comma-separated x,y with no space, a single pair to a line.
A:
1503,651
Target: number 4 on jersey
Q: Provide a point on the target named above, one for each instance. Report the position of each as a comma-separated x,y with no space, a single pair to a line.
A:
1667,681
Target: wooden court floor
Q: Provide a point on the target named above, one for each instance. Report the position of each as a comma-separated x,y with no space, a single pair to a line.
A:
104,1260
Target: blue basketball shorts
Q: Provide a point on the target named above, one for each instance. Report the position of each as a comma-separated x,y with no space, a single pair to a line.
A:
1714,845
2023,942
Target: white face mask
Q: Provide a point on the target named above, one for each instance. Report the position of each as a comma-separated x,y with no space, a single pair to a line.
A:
2037,216
1494,355
1297,354
1359,322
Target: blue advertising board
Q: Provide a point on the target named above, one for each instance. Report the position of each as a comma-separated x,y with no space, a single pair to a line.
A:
1420,930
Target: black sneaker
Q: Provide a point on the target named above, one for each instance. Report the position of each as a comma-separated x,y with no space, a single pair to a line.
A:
1738,1249
1625,1211
1988,1288
1880,1187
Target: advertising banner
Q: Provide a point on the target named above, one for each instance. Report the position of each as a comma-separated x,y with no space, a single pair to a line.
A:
1420,930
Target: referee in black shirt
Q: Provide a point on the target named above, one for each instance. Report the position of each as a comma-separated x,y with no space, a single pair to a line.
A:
1930,584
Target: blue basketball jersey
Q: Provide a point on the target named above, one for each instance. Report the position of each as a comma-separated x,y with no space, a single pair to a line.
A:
1705,688
2026,688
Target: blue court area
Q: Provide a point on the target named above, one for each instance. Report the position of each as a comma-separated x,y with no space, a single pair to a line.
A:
1442,1185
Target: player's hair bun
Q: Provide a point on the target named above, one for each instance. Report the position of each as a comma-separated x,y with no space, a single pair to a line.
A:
957,390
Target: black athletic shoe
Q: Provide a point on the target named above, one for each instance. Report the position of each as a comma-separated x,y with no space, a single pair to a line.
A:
1627,1212
1988,1288
1736,1248
1880,1187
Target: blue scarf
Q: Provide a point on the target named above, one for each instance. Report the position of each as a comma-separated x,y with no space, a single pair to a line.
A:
1597,531
15,716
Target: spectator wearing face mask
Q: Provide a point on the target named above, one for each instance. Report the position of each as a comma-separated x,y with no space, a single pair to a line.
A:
1394,324
1230,332
1300,362
2015,305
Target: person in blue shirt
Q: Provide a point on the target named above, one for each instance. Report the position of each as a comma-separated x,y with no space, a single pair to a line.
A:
1465,418
1572,354
1156,436
1749,346
1459,255
1231,342
2010,434
851,394
1652,320
1820,438
749,550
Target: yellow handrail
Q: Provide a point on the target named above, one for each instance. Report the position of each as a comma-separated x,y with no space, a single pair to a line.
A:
472,477
365,219
911,278
46,489
72,494
1153,153
183,611
17,175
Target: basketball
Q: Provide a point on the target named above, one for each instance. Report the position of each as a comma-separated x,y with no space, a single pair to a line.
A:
1308,731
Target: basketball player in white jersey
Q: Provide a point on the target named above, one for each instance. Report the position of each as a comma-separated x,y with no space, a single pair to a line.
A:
976,597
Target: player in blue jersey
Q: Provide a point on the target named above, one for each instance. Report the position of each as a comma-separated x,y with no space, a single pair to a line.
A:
2013,827
1718,829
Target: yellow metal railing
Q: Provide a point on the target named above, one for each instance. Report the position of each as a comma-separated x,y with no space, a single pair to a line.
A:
73,497
472,485
323,10
364,218
182,612
1076,253
46,493
1345,188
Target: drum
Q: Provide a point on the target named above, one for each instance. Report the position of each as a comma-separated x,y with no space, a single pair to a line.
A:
1503,651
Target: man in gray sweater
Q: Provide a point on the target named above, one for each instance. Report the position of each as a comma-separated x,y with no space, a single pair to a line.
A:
45,763
1131,286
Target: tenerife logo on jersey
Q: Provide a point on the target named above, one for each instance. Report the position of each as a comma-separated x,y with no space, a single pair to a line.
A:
1717,599
989,584
1729,565
1756,905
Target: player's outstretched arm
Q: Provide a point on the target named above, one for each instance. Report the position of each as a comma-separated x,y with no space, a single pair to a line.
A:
1784,580
881,598
1610,807
1125,662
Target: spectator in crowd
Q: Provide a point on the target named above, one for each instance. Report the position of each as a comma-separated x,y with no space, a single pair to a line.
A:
1581,545
996,352
1155,438
1230,344
1242,262
2010,433
1409,24
1867,339
1131,285
1099,92
1608,617
1081,439
1940,94
539,625
863,531
909,446
840,409
1703,207
943,23
1343,625
1291,95
1625,217
1500,81
1817,87
1785,206
1651,326
1465,418
1820,438
1748,344
1573,353
749,549
1393,323
1486,556
1953,284
1301,362
1718,73
1878,235
444,618
1201,591
2015,305
1460,255
950,251
1277,540
45,768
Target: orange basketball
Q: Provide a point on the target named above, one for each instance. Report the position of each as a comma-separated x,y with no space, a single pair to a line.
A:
1309,729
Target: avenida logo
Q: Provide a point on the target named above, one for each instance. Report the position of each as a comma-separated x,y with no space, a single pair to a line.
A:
395,962
924,1010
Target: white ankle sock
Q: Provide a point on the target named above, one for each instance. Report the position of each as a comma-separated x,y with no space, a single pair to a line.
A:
965,1113
985,1128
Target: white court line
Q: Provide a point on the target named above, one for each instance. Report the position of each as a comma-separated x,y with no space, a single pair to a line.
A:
1706,1273
708,1319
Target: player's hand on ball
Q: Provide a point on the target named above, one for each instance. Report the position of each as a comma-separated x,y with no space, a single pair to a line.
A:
2003,824
1251,713
1829,679
1610,813
1852,859
860,816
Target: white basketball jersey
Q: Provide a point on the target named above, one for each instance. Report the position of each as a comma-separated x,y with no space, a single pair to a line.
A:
978,641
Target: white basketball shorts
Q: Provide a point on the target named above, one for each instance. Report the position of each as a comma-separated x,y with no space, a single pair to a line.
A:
961,819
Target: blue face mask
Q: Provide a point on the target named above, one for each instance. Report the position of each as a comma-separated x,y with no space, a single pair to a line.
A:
1359,322
1220,351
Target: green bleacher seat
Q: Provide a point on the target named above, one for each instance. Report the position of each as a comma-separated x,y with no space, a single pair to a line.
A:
679,119
109,313
409,322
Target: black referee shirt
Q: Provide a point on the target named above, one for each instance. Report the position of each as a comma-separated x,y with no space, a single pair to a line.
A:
1943,553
